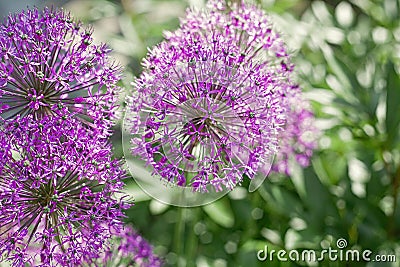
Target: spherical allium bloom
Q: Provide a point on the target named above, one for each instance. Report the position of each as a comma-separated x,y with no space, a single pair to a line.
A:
50,67
60,195
213,98
298,139
130,249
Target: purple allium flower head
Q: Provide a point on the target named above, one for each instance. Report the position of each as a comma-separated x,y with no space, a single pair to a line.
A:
299,138
50,67
130,249
60,195
212,100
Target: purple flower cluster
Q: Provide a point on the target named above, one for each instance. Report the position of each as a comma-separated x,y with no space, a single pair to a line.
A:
213,101
131,249
59,193
60,190
299,138
49,67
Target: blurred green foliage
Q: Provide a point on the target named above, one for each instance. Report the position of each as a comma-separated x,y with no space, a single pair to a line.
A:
347,56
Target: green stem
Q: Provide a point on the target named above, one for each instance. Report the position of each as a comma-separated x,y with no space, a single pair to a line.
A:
192,241
392,219
179,235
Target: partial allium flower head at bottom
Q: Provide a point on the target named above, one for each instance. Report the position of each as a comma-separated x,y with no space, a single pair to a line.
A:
60,195
212,101
130,249
49,66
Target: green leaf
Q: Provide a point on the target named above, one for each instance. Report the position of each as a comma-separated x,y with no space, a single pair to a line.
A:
280,198
330,167
220,212
298,178
133,190
345,91
281,6
392,104
321,12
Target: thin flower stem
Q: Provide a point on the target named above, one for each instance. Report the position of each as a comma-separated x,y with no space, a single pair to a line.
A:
179,236
392,231
192,243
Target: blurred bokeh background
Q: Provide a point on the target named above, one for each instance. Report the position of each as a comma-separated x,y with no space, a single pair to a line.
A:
347,56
